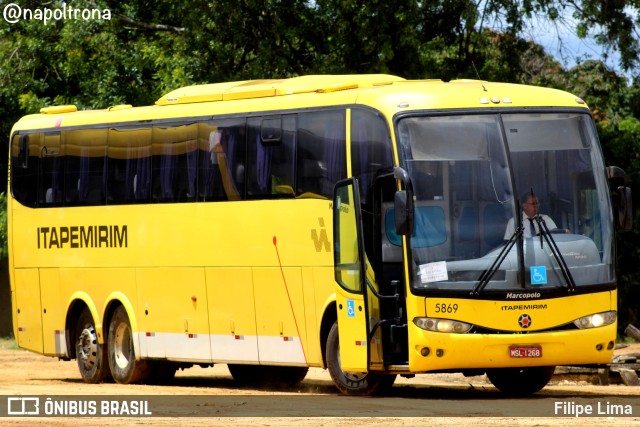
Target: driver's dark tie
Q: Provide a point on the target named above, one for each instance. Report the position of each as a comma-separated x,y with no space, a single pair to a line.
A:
532,227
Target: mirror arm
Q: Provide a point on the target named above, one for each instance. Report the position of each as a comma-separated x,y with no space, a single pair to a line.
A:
403,175
404,206
614,172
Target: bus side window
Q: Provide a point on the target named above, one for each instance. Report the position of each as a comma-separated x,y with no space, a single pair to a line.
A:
85,166
221,160
24,168
321,159
173,164
129,165
270,157
23,152
370,149
50,171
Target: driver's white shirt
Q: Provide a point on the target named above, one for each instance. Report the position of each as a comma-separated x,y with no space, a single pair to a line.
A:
527,227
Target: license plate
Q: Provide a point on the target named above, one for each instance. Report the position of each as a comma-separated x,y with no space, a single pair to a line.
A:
518,351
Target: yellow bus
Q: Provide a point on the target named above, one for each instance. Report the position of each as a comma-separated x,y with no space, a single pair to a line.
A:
349,222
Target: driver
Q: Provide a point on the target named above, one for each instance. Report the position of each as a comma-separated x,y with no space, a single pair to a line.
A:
530,208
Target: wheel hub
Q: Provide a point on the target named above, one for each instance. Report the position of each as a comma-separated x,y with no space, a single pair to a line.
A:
122,346
87,347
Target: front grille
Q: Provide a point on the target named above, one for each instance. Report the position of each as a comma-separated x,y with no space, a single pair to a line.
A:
487,331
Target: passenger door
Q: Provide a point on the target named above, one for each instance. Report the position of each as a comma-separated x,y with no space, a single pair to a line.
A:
350,270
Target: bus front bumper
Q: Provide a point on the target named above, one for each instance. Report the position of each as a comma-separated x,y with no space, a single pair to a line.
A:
433,351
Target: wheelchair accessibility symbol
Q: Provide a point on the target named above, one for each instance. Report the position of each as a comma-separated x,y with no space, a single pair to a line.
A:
539,275
351,308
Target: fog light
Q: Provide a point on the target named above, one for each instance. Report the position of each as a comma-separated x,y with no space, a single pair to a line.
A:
424,351
610,345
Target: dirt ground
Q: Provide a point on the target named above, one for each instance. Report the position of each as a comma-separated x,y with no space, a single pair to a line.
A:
426,400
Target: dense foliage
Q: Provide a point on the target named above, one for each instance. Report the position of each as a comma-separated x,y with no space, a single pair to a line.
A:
147,48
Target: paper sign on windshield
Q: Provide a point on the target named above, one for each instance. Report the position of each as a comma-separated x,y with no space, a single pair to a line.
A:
433,272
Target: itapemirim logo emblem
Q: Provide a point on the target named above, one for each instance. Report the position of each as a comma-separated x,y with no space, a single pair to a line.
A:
524,321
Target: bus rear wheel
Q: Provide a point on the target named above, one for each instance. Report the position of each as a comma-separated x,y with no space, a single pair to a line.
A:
521,381
90,354
124,367
349,383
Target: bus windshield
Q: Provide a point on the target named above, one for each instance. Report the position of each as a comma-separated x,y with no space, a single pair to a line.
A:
476,176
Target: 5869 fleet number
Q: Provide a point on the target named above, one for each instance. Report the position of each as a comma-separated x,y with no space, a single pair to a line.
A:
446,308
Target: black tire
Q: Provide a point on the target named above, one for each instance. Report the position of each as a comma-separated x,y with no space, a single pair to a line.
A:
161,371
90,355
521,381
125,369
261,375
349,383
245,374
285,375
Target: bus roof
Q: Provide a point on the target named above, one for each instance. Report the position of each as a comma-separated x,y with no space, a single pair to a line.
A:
387,93
263,88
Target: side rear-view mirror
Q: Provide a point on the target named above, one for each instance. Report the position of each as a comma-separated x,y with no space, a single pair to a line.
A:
403,214
625,210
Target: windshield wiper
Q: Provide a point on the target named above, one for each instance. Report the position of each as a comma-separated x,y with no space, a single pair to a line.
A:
564,269
487,274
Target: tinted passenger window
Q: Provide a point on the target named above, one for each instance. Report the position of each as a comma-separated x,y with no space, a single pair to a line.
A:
25,150
370,148
270,157
174,163
129,165
85,166
51,184
221,160
321,159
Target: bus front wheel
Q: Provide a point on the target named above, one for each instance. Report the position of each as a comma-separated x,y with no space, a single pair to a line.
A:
349,383
521,381
90,354
124,367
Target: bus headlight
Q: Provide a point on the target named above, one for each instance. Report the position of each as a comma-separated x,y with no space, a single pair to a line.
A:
596,320
442,325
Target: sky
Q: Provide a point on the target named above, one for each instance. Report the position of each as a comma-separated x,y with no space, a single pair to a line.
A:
559,40
563,44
